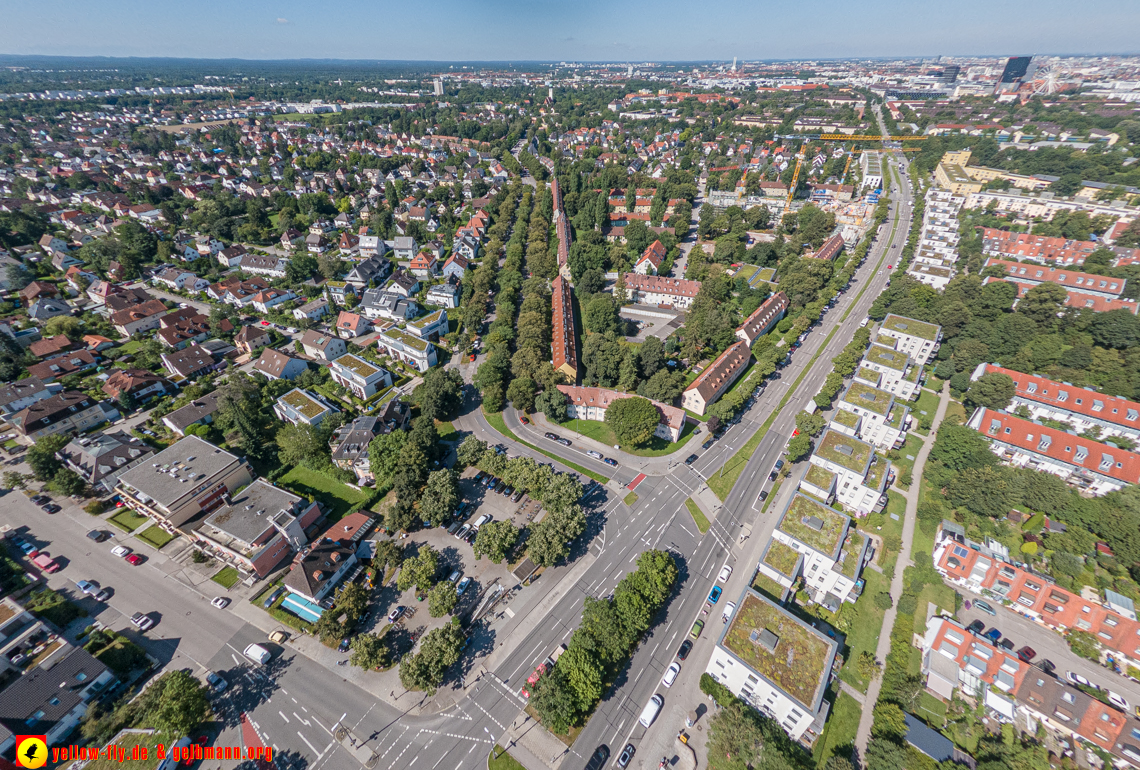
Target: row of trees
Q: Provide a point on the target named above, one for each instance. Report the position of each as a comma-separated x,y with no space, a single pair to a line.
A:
604,640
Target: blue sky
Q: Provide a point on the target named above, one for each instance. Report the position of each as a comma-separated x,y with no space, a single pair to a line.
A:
618,30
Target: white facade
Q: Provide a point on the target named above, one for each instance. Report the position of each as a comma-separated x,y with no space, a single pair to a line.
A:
862,476
893,370
883,422
363,378
917,339
397,343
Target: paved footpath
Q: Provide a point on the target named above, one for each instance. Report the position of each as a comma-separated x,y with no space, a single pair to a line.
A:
867,717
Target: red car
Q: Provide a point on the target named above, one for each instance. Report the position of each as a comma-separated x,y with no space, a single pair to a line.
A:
135,559
523,419
890,267
533,679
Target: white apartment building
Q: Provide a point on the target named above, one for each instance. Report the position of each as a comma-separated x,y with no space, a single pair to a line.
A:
431,327
889,370
882,422
397,343
363,378
860,476
776,663
871,163
658,290
300,406
917,339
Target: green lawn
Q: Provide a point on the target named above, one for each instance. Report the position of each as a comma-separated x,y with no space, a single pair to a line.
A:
911,446
955,413
504,760
127,520
864,634
698,517
156,536
927,402
130,346
495,420
630,499
337,496
839,733
128,742
932,710
602,433
227,576
446,430
938,594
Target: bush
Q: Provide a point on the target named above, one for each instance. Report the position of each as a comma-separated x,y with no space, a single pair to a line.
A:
908,604
717,691
95,507
883,600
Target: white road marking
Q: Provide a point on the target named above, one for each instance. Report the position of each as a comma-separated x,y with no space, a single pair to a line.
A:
284,717
311,746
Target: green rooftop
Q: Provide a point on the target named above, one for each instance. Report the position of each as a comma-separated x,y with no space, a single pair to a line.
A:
814,524
897,416
357,365
405,339
846,418
427,320
877,472
782,558
819,476
865,397
850,560
303,403
886,341
888,357
851,453
902,325
786,651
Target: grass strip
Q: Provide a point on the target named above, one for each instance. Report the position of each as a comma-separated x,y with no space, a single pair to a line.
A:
227,577
495,420
698,517
155,535
630,499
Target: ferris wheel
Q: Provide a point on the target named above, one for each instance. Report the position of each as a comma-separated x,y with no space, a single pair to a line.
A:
1050,78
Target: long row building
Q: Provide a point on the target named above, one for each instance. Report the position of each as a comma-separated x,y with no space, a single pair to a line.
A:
937,253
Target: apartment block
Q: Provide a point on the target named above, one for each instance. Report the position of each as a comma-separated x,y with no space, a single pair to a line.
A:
300,406
416,352
890,370
363,378
717,378
763,318
917,339
860,475
882,421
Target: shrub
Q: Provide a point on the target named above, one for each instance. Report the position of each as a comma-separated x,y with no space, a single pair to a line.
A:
883,600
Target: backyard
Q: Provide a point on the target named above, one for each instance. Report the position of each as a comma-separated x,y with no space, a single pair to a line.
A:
127,520
227,577
924,409
907,454
865,626
839,735
339,497
156,536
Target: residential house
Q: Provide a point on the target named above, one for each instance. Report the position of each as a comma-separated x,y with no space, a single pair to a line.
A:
712,383
446,294
873,415
51,347
650,259
276,365
413,351
58,368
564,337
264,300
174,278
43,310
377,303
424,265
138,318
313,576
299,406
37,290
363,378
339,292
139,385
101,458
403,283
183,483
191,362
23,393
324,347
918,339
655,290
250,338
404,248
66,412
198,412
763,319
888,369
430,327
272,267
455,266
857,476
259,529
349,325
232,256
592,403
369,272
312,311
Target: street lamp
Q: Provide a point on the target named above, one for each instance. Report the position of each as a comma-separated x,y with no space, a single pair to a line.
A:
494,744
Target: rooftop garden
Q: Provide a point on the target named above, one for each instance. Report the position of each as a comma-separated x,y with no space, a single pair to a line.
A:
784,650
814,524
877,472
852,550
782,558
410,340
819,476
868,374
896,417
903,325
851,453
866,397
888,357
357,365
886,341
303,403
846,418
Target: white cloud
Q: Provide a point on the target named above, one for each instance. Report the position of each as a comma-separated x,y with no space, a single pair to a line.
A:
282,21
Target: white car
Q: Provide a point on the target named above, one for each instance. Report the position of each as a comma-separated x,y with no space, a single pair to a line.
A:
1078,679
481,520
463,584
671,674
595,455
728,610
121,551
725,571
1118,701
221,602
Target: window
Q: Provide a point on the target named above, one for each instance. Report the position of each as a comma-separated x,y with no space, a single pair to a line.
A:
1062,395
1080,401
1032,387
36,717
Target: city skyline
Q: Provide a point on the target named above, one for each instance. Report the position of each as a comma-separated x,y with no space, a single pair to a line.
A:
508,30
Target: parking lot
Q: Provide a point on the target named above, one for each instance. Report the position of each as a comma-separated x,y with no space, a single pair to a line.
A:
481,501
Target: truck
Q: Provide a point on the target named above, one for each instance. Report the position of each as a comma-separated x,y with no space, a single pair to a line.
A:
45,562
542,669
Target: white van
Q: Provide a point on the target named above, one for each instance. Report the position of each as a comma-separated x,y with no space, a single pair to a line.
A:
651,710
258,654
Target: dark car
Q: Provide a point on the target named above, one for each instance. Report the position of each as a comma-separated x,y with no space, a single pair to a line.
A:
52,508
97,535
691,459
470,538
772,476
551,436
598,758
976,627
1048,666
517,496
610,461
1027,654
1006,644
763,494
626,756
709,443
686,647
564,442
993,635
500,486
40,499
480,476
508,491
343,645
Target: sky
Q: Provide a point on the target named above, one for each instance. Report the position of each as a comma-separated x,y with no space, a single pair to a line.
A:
554,30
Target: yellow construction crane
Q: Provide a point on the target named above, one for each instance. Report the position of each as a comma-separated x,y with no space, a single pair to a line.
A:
795,179
852,137
847,167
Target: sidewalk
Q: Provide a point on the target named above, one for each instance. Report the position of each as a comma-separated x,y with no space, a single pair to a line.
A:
867,717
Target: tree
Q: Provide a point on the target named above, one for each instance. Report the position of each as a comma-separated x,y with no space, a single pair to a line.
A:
552,402
440,496
239,409
735,735
301,444
66,325
799,447
550,539
368,651
470,450
664,386
959,447
583,676
67,482
810,424
16,480
179,705
1042,303
633,420
555,702
442,599
992,390
384,453
440,394
439,650
601,315
419,570
41,456
353,601
521,394
651,355
495,539
890,721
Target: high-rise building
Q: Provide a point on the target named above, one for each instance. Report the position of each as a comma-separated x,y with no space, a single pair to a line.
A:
1015,69
437,86
950,73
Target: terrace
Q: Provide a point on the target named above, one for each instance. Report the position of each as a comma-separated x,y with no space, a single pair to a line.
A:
782,558
896,417
869,374
820,477
846,419
850,556
866,397
850,453
303,404
357,366
888,357
408,340
886,341
910,326
787,652
877,472
814,524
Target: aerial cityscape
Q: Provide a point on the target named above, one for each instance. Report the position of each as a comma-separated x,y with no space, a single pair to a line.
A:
447,410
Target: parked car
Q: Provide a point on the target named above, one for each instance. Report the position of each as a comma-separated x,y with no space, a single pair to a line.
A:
626,756
486,517
671,674
725,571
993,635
523,419
551,436
88,587
279,637
462,533
396,612
41,499
728,610
221,602
142,622
508,491
595,454
1076,678
343,646
763,495
463,584
517,495
610,461
695,632
121,551
52,508
1006,644
454,576
685,649
216,682
708,443
273,597
471,536
984,607
98,535
1118,701
691,459
976,627
479,476
1049,667
598,758
714,594
103,595
135,559
565,442
1026,654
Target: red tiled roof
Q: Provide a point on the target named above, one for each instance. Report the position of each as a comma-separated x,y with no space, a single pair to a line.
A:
995,659
727,365
564,344
1058,445
1070,279
602,398
656,284
1083,401
1078,299
1028,246
764,317
655,252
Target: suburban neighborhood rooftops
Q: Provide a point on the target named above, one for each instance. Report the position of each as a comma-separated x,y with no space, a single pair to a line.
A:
901,325
783,649
357,365
814,524
866,397
847,451
303,403
408,340
886,356
177,470
252,510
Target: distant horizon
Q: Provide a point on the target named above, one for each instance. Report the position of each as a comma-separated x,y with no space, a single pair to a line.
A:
588,31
